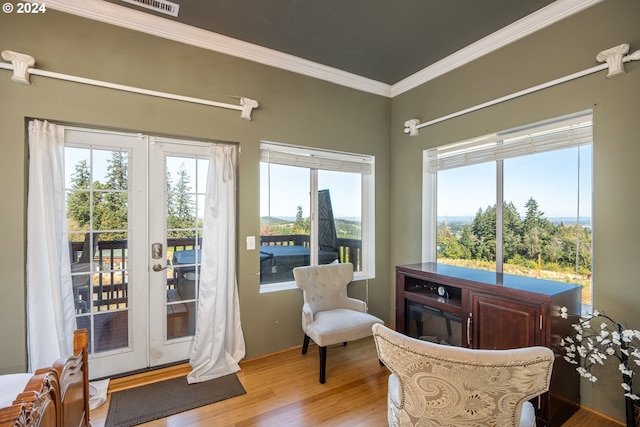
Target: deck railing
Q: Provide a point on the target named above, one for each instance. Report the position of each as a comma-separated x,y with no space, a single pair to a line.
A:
108,285
349,250
107,282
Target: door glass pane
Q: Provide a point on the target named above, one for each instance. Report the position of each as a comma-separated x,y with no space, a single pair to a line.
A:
466,216
284,221
340,218
186,187
547,216
96,184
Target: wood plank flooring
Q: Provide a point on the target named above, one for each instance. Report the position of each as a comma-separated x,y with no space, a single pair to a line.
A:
283,390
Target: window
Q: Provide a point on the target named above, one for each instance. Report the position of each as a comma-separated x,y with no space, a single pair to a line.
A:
517,202
316,207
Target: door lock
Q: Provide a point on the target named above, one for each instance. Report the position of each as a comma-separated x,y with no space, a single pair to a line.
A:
156,251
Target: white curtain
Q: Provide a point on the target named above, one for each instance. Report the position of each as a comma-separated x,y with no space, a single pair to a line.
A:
50,306
218,344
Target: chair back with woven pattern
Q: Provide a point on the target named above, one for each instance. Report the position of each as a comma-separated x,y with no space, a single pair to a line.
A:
440,385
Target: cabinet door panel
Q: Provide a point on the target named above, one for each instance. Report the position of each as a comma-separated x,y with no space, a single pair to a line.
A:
500,324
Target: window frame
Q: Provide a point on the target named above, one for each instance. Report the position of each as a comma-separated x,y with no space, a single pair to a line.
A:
315,159
569,131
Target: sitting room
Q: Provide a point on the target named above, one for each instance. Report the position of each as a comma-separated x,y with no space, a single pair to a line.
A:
170,169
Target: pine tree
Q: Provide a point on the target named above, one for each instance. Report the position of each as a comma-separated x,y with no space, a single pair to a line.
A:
536,230
113,214
484,227
78,204
181,213
171,203
534,216
299,225
512,231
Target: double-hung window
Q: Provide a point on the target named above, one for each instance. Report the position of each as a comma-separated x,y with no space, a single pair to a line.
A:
316,207
517,202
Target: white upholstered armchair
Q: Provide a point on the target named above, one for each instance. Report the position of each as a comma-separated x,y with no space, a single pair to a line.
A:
329,316
439,385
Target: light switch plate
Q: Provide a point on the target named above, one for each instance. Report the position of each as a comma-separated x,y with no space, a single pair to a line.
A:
251,243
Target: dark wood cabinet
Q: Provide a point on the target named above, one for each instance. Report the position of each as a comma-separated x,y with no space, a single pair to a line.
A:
503,323
487,310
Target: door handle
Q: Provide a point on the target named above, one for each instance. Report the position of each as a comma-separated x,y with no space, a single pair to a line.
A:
158,267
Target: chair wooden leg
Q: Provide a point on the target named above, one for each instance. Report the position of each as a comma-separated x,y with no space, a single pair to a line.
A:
305,344
323,364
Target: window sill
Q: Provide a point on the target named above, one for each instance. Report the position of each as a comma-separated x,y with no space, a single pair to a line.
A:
276,287
286,286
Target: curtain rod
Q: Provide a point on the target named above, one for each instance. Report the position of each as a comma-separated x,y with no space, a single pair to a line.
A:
613,59
22,66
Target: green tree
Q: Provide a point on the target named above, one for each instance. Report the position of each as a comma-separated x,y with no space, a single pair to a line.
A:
512,231
180,213
534,216
561,247
451,248
113,212
299,224
78,203
171,200
468,242
576,241
484,227
537,230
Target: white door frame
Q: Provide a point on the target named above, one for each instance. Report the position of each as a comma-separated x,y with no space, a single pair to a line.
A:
146,304
162,348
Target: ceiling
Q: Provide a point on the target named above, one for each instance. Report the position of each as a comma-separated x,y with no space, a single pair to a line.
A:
384,47
383,40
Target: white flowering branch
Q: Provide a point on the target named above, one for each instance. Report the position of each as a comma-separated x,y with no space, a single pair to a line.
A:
589,347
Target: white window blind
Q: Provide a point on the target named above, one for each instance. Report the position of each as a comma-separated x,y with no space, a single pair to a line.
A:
315,159
565,132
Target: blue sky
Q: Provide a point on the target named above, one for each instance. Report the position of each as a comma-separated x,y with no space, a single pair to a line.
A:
550,178
101,158
293,186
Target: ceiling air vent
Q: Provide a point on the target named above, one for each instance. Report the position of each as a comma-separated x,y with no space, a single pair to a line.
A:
162,6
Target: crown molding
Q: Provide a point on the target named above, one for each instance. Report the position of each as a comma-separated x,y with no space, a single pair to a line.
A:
154,25
538,20
161,27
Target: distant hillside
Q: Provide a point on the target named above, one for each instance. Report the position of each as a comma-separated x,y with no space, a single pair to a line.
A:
554,220
348,228
273,220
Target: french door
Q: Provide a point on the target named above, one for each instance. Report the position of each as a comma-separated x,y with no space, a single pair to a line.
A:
134,218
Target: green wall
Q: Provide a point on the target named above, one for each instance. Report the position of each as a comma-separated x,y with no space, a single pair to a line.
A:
293,109
559,50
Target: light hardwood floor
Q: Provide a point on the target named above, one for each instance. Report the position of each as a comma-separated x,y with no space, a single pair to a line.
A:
283,390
